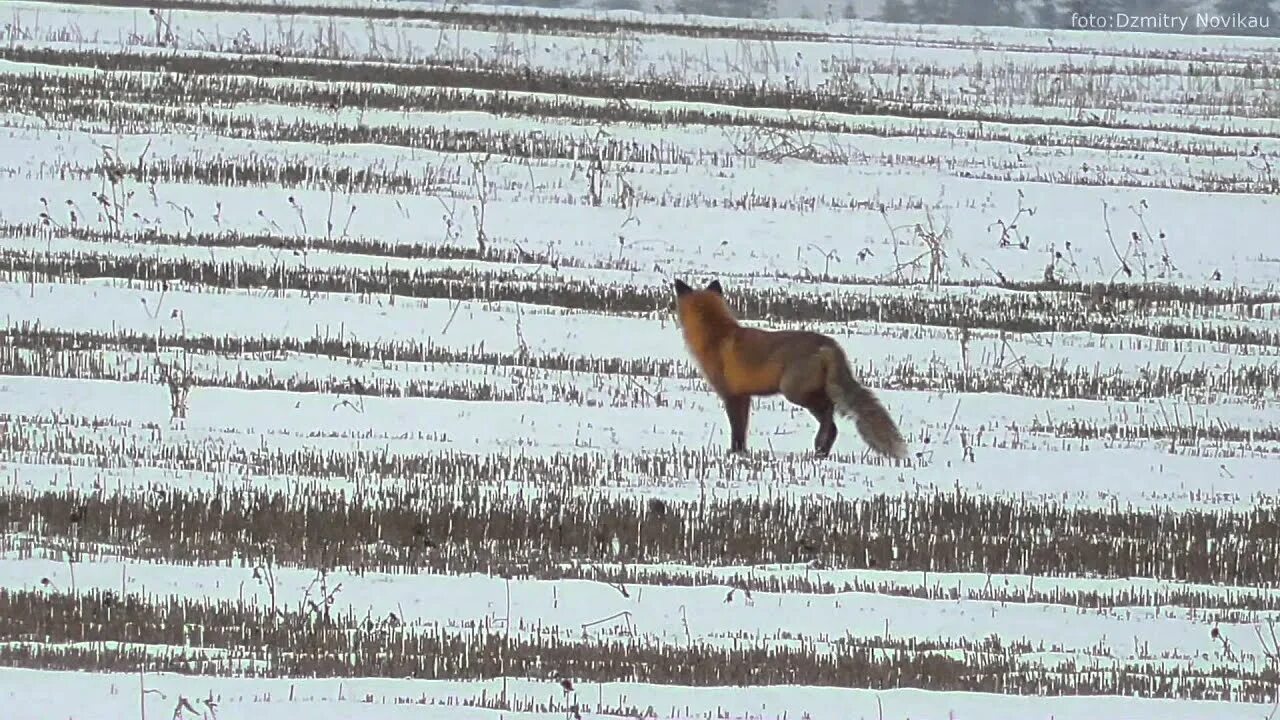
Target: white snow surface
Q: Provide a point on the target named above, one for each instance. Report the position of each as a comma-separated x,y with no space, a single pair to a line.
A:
1084,168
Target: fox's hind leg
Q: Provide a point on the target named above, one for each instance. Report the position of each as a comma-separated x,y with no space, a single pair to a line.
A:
738,408
804,383
822,409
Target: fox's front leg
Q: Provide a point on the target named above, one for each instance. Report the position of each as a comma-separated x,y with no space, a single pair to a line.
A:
738,407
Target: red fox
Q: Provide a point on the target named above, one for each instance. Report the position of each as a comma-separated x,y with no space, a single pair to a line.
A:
808,368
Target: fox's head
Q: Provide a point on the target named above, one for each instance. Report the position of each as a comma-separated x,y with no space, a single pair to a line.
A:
683,290
702,309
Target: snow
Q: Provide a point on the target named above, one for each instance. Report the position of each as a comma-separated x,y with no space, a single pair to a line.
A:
1153,138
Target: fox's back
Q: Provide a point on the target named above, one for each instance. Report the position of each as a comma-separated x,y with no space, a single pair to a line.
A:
753,360
739,360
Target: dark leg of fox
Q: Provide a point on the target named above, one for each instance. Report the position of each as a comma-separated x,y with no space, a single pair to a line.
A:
738,407
825,413
804,384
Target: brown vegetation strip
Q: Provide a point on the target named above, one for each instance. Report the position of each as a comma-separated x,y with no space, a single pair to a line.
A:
310,640
86,360
409,525
1011,312
502,77
1154,293
169,99
530,22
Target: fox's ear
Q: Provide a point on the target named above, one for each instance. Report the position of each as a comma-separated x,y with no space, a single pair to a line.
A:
715,287
682,288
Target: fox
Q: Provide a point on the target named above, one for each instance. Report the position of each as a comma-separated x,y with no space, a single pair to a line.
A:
809,369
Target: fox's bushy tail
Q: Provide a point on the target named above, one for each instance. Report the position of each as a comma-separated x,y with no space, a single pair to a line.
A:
852,399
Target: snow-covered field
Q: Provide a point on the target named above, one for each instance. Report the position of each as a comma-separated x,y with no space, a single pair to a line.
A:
339,375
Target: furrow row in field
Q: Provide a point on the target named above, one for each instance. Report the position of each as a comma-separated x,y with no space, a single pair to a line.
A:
458,528
277,619
944,45
363,252
1241,173
37,694
504,20
524,377
1198,604
564,608
1104,312
155,100
1197,458
891,233
966,78
362,329
1088,106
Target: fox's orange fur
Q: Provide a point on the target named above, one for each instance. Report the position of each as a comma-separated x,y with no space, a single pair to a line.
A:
808,368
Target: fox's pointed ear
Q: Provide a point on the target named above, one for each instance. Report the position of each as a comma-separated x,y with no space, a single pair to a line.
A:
715,287
682,288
